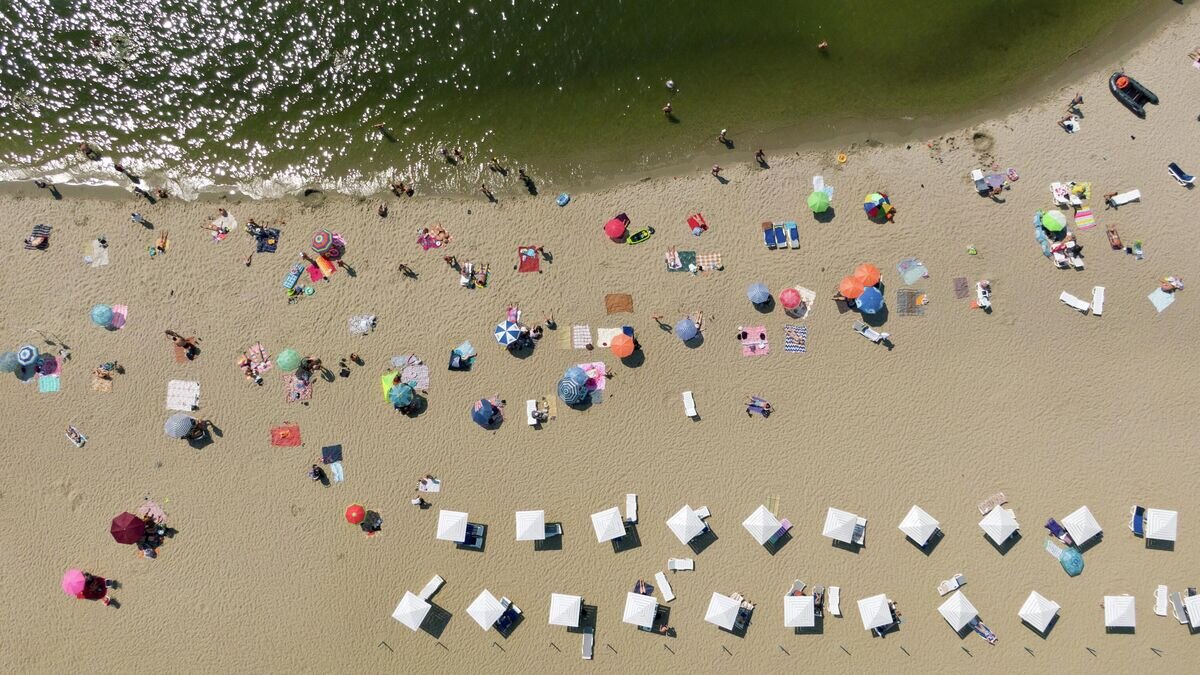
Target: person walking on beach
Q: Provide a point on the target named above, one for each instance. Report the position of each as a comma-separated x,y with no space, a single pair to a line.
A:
722,139
1073,106
716,170
137,218
487,192
667,109
89,152
760,157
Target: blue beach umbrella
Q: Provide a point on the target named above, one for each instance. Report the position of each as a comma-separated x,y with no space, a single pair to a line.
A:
484,412
507,332
576,375
1071,561
758,293
8,362
571,392
27,355
686,329
870,301
102,315
402,394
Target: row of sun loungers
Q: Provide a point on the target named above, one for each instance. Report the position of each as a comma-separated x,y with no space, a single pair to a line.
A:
781,236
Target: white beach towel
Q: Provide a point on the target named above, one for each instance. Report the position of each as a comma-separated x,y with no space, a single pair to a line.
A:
183,395
1161,299
99,257
604,336
581,336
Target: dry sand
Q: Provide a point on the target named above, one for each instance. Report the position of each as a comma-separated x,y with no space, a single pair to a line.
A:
1054,408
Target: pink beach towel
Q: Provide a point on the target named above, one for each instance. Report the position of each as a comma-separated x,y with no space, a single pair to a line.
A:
755,343
296,389
119,313
596,375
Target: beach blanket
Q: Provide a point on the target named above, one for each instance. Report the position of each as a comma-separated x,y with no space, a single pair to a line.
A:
259,359
596,375
318,273
286,436
183,395
268,241
361,324
528,260
331,454
48,365
604,336
417,372
992,502
795,338
708,262
673,262
48,384
293,275
119,314
581,337
756,343
339,472
962,288
1085,219
618,302
99,255
429,485
684,259
911,269
102,385
296,388
910,302
428,241
39,231
1161,299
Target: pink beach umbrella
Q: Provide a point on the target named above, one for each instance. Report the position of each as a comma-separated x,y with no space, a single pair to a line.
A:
789,298
73,582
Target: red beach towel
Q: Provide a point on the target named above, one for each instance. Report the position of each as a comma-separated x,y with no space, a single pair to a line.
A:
286,436
529,260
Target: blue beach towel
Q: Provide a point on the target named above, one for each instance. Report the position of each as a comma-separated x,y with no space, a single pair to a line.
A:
269,241
293,276
48,384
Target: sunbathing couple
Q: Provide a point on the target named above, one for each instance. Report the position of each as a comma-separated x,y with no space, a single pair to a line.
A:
437,233
188,345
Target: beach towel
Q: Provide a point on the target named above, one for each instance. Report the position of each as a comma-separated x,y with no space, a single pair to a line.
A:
293,275
286,436
102,385
417,372
992,502
795,338
361,324
331,454
183,395
296,388
429,485
672,259
268,241
604,336
39,231
99,255
339,473
48,384
754,345
911,269
595,372
528,260
428,241
321,271
910,302
1085,219
618,302
709,261
385,382
961,288
686,260
581,336
119,314
259,359
1161,299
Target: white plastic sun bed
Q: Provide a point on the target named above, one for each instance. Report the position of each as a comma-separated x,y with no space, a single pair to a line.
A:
1097,300
681,564
432,587
1074,302
664,587
870,333
631,511
689,404
1125,197
1160,600
834,600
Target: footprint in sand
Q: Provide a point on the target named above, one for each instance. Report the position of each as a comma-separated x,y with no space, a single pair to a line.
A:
67,491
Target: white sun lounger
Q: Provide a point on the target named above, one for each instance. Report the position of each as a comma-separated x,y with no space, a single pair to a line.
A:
1076,262
951,584
681,564
1177,608
664,587
689,404
703,512
980,184
1097,300
870,333
1063,195
631,515
530,409
1160,600
1074,302
834,600
589,644
1060,259
432,587
1125,197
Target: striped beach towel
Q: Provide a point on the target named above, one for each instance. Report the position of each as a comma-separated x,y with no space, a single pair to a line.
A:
755,343
1084,219
48,384
910,302
709,261
795,338
39,231
119,314
581,337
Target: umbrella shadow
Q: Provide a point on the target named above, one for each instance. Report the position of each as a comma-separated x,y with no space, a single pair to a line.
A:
818,627
628,541
694,342
482,540
554,543
826,216
436,620
930,545
26,373
850,548
765,307
702,541
1160,545
1087,545
588,615
877,319
634,360
778,544
1008,544
1049,627
415,409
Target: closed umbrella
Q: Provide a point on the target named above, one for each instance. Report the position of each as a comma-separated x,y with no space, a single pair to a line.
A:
758,293
1054,221
27,355
179,425
850,288
8,362
622,346
818,201
402,394
867,274
486,413
790,298
127,528
73,582
102,315
686,329
570,392
322,241
288,359
507,332
870,302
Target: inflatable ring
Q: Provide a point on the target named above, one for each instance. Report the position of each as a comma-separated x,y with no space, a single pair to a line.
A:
841,158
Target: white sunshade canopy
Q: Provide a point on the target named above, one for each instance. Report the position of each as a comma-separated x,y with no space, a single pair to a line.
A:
875,611
1119,611
486,610
1192,604
565,610
839,525
640,609
1082,525
531,525
762,525
919,525
958,611
798,611
452,526
1038,611
1161,524
411,611
686,524
722,611
608,524
999,524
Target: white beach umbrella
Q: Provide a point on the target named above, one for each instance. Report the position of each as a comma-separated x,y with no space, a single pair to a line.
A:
798,611
486,610
452,526
839,525
919,525
640,609
722,611
565,610
999,524
411,611
761,525
1082,525
1119,611
686,524
608,524
1192,605
1161,524
1038,612
875,611
531,525
958,611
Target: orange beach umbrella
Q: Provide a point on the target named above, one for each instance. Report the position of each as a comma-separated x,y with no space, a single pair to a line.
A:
850,287
866,274
621,346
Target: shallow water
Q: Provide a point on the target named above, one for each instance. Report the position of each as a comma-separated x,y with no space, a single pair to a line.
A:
274,95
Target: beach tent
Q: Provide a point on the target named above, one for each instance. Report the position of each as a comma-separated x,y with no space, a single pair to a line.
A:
999,524
686,524
958,611
411,611
1119,611
1038,612
531,525
1191,605
608,524
839,525
686,329
762,525
722,611
565,610
452,526
484,412
486,610
1082,525
919,525
1161,524
799,611
640,609
874,611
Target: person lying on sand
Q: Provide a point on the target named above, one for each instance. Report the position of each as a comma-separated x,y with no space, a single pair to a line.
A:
187,344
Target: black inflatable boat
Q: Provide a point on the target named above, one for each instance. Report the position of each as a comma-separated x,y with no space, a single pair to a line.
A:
1131,92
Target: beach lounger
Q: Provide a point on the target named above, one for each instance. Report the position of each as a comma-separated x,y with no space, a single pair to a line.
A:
793,233
703,512
664,587
432,587
530,409
983,296
860,532
553,530
784,526
781,237
681,564
339,472
589,638
1124,198
818,183
1060,259
1137,520
986,506
769,235
835,600
1180,175
466,278
1097,300
1160,600
951,584
689,404
631,510
1063,196
870,333
1074,302
1177,607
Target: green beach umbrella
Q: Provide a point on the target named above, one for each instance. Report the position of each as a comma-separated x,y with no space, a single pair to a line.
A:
288,359
1054,221
818,201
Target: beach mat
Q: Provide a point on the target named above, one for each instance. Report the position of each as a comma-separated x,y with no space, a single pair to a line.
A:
183,395
102,385
268,242
119,314
618,302
596,376
98,255
910,302
911,269
1085,219
293,276
1161,299
528,260
581,337
753,345
296,389
417,372
680,261
286,436
962,288
708,262
331,454
795,338
604,336
48,384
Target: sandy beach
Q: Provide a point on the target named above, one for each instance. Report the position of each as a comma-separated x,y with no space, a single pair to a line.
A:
1055,408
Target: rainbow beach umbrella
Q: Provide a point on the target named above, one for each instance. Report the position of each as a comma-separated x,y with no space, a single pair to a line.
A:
322,241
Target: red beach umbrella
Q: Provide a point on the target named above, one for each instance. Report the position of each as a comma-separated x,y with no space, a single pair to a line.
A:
127,528
850,287
615,228
355,514
789,298
867,274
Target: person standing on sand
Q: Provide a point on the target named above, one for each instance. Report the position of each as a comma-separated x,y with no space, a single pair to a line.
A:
487,192
667,109
716,171
823,46
760,157
722,139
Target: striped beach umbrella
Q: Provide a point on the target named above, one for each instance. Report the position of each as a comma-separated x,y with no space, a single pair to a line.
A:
570,391
27,355
178,425
322,241
507,332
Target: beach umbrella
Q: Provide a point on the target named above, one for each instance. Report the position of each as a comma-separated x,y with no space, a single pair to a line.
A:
322,241
179,425
818,201
873,203
127,528
507,332
565,610
1082,525
577,375
640,609
402,394
799,611
102,315
686,329
1071,561
790,298
1191,605
1161,524
355,514
485,413
615,228
8,362
762,525
73,582
870,301
758,293
999,524
531,525
1119,611
958,611
686,524
722,611
452,526
850,287
1038,612
411,611
839,525
622,346
288,359
919,525
486,610
867,274
608,525
570,392
875,611
1054,221
27,355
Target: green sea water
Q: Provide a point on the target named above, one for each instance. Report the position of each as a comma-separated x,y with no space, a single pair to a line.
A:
272,96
